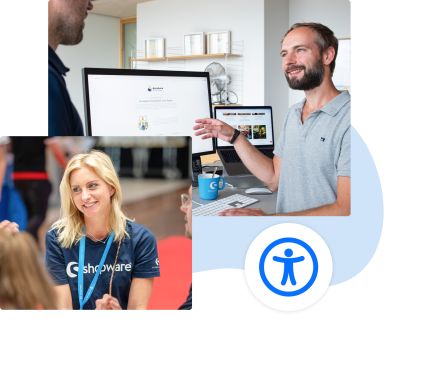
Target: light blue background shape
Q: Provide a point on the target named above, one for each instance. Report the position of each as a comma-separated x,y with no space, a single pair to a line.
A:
222,242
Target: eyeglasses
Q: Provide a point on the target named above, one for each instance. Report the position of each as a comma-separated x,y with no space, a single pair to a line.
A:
185,200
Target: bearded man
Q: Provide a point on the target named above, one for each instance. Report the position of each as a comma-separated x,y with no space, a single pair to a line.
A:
312,162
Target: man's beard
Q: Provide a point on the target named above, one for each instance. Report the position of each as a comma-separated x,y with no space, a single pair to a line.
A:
312,77
70,33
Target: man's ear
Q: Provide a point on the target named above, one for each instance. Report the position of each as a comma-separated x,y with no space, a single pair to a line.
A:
328,56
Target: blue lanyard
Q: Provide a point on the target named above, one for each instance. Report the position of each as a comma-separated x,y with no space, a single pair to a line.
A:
82,300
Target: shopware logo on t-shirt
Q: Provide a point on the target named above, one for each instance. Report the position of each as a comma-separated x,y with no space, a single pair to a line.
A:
72,268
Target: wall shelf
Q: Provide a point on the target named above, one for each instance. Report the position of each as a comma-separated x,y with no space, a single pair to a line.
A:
183,57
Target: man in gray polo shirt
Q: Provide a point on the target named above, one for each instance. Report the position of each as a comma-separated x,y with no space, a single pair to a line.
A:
311,166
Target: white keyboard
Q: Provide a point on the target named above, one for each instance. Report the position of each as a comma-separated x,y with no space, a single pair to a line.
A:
233,201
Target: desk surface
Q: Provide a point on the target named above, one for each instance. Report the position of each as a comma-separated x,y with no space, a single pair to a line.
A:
267,202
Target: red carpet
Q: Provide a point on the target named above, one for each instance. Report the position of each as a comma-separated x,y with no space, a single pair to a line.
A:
171,288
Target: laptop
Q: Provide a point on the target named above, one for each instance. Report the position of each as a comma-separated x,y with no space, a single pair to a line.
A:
256,123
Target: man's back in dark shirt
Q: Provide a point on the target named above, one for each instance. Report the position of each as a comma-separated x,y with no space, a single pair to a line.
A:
63,116
188,304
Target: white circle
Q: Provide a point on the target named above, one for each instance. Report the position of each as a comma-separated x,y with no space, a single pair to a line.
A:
72,267
213,185
273,285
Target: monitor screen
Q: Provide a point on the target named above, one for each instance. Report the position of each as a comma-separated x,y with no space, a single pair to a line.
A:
146,102
254,122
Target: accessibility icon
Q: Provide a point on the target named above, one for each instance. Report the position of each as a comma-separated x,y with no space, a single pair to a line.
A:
288,266
306,272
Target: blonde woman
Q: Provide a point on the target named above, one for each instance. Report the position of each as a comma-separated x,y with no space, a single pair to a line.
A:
24,282
98,258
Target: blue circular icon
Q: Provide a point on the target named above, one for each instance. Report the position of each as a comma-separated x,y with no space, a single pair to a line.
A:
288,253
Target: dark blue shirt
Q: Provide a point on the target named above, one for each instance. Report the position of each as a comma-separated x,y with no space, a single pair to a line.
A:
138,258
188,304
63,116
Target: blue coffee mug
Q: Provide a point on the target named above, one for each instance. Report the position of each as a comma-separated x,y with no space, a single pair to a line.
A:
209,186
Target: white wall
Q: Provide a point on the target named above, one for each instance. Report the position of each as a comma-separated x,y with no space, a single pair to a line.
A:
279,15
335,14
244,18
99,48
276,89
257,24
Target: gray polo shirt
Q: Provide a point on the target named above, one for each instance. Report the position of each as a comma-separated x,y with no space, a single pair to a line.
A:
313,154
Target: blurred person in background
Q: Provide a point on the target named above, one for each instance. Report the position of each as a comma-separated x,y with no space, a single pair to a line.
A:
24,282
3,161
12,208
186,208
30,176
98,257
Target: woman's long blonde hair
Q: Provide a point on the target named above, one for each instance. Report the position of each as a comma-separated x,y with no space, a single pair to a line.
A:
24,282
71,223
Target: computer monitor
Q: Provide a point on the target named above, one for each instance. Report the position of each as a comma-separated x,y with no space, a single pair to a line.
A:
147,102
203,147
255,122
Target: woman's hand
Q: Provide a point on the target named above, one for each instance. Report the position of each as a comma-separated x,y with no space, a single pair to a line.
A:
213,128
108,302
10,226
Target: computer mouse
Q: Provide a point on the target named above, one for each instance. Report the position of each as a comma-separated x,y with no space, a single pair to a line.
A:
258,191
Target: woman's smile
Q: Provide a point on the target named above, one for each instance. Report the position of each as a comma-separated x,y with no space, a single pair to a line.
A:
91,195
89,205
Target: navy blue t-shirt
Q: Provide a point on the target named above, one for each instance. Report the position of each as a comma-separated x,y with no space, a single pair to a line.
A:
63,118
138,258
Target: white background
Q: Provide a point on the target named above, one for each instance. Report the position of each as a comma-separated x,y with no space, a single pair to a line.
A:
370,332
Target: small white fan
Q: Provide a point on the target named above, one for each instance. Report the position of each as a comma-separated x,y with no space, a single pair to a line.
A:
219,80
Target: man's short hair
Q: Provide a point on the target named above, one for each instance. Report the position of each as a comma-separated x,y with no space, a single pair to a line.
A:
325,38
